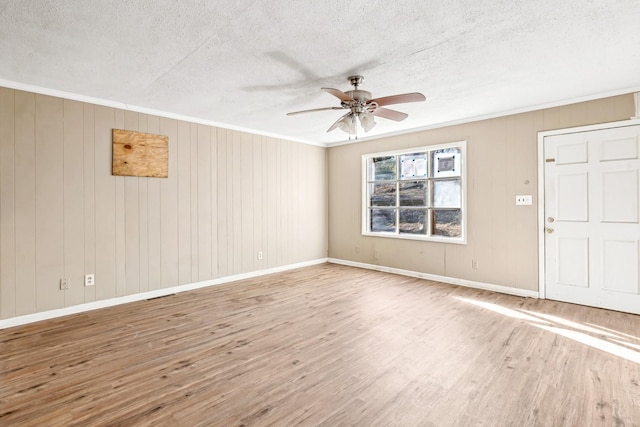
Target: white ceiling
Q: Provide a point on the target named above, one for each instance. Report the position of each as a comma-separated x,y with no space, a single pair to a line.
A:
246,63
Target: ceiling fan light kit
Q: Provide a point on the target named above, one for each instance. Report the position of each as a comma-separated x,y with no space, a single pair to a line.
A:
367,121
347,124
363,107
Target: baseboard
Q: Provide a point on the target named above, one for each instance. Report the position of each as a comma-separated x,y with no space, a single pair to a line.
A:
437,278
51,314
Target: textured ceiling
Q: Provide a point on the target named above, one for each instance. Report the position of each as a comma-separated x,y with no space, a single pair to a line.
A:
246,63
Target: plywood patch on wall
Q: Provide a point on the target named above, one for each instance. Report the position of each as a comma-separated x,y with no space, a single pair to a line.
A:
140,154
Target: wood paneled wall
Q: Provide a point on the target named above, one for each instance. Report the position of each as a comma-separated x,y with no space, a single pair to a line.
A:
62,214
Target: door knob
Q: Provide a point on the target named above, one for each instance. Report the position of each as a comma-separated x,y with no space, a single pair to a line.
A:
549,230
550,219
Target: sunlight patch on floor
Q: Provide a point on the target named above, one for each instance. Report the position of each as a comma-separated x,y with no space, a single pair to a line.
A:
628,344
621,347
502,310
571,324
594,342
620,334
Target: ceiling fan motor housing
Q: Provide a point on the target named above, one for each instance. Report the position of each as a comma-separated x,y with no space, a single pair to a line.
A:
360,97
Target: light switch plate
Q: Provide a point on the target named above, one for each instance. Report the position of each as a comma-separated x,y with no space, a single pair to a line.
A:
524,200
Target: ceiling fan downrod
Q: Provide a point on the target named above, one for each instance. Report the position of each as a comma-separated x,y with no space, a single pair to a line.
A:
355,81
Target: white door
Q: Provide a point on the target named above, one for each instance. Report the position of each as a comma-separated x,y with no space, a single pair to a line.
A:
591,215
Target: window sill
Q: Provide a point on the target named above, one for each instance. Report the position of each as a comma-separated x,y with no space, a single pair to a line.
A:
453,240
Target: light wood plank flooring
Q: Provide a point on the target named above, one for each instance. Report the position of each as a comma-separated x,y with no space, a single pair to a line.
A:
326,345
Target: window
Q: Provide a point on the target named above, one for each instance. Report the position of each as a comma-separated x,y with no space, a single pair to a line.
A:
417,193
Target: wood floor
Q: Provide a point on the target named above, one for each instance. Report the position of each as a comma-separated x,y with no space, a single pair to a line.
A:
326,345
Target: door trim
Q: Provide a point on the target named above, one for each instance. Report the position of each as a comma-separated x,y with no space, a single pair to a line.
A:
541,189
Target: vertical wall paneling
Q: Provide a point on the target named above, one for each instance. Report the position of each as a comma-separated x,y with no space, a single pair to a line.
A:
280,201
214,202
185,263
63,214
204,202
121,274
264,194
49,202
285,224
265,201
294,182
88,182
131,219
298,193
169,208
236,202
223,184
7,205
310,177
73,203
246,214
229,203
143,218
25,202
105,205
193,209
322,204
154,220
292,200
257,214
272,203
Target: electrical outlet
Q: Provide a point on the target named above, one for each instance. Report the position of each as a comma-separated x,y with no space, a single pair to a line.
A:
259,255
474,264
65,283
376,254
89,279
524,200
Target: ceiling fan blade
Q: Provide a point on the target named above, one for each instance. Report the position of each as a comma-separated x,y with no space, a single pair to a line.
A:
313,110
335,125
390,114
399,99
338,94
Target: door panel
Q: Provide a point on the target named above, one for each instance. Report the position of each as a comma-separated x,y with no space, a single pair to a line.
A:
620,196
573,261
571,153
620,266
620,149
592,212
572,197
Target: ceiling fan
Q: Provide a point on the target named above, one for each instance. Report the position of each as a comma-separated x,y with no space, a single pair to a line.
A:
362,106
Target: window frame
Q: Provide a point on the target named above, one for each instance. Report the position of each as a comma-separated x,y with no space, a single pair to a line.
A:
365,208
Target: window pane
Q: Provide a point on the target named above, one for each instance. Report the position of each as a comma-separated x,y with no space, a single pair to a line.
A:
446,162
413,193
383,220
447,194
412,221
446,223
383,168
382,194
413,165
416,193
